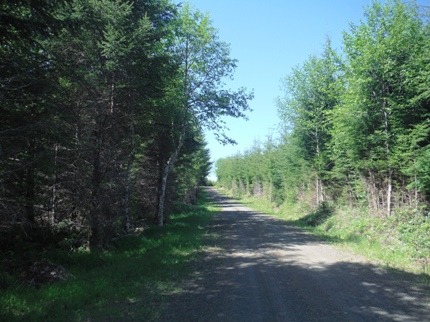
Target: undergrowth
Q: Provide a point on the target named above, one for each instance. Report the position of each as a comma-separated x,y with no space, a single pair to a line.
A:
125,282
401,241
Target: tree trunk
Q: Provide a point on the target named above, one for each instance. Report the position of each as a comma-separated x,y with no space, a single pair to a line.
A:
317,186
321,191
373,190
415,185
95,224
389,191
387,150
127,217
165,174
54,186
96,238
30,194
162,196
166,171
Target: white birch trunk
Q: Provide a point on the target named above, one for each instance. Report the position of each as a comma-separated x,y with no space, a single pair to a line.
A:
166,171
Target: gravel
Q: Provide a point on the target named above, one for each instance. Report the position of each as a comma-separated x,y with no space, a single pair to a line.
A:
261,269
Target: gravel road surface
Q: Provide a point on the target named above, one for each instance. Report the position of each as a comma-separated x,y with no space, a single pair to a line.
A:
261,269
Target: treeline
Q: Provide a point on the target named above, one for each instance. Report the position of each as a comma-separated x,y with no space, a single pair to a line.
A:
102,108
355,124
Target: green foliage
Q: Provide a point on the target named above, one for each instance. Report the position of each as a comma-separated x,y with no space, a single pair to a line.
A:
196,96
378,106
412,154
192,169
319,216
414,232
312,91
204,62
122,283
355,134
91,108
355,124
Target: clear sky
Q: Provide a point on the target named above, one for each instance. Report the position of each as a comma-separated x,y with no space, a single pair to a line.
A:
269,38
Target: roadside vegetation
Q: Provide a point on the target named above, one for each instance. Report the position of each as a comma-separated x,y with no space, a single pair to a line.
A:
400,242
124,282
351,158
103,108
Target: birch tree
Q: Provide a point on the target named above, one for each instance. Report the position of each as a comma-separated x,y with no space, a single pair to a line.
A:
198,95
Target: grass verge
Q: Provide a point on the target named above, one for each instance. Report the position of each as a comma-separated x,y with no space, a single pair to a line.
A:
400,242
124,283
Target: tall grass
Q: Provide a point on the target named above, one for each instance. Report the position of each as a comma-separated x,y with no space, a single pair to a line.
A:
123,283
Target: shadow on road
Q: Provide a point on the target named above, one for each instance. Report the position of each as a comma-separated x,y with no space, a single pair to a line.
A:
261,269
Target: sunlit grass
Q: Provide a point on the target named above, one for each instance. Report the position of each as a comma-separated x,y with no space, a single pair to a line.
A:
123,283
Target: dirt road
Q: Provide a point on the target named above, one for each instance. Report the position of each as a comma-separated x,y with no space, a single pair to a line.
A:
261,269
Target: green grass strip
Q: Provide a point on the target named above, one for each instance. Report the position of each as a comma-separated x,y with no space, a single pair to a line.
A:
124,283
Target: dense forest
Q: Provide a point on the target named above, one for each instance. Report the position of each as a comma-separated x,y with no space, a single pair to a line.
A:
103,106
354,124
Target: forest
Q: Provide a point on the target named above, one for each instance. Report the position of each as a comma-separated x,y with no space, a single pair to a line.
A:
103,106
103,109
354,128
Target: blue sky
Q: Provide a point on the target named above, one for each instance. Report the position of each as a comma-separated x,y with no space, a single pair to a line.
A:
269,38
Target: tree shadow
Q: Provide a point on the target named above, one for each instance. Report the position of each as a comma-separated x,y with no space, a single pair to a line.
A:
319,216
265,270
